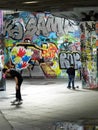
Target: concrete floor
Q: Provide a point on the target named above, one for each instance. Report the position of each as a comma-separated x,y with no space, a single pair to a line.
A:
46,101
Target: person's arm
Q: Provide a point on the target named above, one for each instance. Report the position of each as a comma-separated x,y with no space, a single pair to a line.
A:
67,71
16,81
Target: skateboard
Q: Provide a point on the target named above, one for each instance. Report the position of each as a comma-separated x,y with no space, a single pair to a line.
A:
17,104
74,87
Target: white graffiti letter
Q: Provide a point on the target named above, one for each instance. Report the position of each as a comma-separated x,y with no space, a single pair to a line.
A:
14,30
55,24
31,27
41,27
64,62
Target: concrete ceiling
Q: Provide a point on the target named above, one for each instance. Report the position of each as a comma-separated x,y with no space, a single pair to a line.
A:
47,5
61,8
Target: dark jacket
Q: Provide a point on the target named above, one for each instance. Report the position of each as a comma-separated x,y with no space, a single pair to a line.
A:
14,73
71,71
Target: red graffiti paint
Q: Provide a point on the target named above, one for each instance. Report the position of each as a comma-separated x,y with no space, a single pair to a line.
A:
21,52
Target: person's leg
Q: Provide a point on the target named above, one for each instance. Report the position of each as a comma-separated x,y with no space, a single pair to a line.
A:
72,78
15,100
18,91
69,81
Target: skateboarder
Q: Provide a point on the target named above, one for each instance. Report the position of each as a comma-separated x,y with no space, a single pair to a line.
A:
18,80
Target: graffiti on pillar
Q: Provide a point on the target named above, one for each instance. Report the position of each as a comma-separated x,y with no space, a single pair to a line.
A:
88,55
1,22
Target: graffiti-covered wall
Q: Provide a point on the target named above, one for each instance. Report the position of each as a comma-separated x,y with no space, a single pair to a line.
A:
89,59
42,40
1,43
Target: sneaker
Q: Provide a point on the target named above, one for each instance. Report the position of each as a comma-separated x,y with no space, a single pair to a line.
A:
18,103
69,87
14,101
21,100
73,88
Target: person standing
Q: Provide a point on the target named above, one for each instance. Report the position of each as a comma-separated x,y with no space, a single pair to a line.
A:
18,80
71,76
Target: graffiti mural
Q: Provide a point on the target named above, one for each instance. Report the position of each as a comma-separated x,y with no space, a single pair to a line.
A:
88,56
42,39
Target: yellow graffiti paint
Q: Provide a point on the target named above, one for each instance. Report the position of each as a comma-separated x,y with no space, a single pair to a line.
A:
17,60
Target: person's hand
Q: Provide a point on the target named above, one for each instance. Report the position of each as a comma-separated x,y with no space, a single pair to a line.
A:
4,76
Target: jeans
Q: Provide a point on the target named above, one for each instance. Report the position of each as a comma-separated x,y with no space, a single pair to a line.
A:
18,91
71,80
